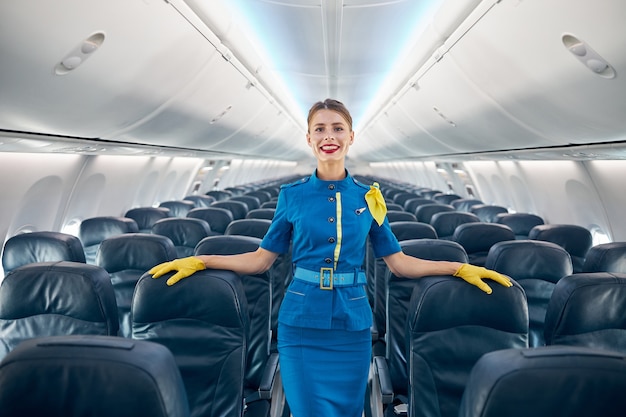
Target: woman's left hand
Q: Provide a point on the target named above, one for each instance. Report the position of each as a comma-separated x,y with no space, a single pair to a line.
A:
475,274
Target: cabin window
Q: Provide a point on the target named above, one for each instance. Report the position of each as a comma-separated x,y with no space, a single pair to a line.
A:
598,235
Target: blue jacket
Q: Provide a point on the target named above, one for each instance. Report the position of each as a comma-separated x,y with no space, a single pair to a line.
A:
327,223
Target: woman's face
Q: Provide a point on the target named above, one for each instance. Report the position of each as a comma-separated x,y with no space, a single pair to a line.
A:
329,136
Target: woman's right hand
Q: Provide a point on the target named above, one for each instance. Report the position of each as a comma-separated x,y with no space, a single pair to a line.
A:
184,267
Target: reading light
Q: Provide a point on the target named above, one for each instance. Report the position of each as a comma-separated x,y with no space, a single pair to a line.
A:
79,54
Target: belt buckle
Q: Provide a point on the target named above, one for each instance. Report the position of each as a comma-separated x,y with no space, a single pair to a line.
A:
322,276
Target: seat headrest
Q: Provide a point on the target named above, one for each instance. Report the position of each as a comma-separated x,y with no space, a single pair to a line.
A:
248,227
546,381
74,376
434,250
227,245
588,303
577,240
94,230
431,293
80,291
218,218
520,223
475,237
606,257
44,246
138,251
445,223
182,231
530,259
405,230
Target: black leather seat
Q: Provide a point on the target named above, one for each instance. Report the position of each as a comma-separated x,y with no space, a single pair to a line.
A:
451,324
412,204
184,232
95,376
251,202
200,200
178,208
145,217
248,227
217,218
263,195
262,361
400,216
465,204
204,321
27,248
425,212
587,309
546,382
220,195
377,287
394,385
576,240
55,298
443,198
537,266
126,258
261,213
606,257
520,223
238,209
446,223
487,212
478,238
95,229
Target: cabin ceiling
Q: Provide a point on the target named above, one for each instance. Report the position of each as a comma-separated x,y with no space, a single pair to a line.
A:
425,80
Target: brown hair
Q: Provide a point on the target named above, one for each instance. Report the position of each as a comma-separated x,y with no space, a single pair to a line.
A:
330,104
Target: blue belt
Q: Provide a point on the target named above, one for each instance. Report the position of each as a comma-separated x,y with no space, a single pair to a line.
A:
327,278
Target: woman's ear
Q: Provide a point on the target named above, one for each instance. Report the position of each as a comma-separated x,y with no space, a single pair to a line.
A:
308,139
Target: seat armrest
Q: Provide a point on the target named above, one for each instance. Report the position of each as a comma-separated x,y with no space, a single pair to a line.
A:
264,392
383,379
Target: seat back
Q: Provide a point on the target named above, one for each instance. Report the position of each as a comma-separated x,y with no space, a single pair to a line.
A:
487,212
261,213
248,227
27,248
425,212
398,298
178,208
238,209
219,195
126,258
95,229
400,216
576,240
446,223
251,202
412,204
55,298
145,217
478,238
443,198
606,257
262,195
465,204
546,382
537,266
377,287
451,324
203,321
96,376
200,200
587,309
217,218
520,223
184,232
259,290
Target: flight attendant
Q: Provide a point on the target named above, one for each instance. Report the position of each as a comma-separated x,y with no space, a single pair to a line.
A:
324,339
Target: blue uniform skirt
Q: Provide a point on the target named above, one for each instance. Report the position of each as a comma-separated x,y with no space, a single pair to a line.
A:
324,372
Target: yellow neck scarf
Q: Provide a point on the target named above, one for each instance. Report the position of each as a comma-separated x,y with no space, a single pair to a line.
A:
376,203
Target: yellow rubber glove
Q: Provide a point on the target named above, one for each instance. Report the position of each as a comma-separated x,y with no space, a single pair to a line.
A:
474,275
184,266
376,203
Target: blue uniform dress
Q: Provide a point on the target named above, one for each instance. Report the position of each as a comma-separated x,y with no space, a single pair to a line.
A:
324,339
